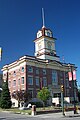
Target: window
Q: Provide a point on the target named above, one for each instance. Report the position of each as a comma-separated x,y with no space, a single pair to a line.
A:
30,69
30,80
14,82
22,80
44,81
14,73
37,81
22,69
44,71
37,70
54,77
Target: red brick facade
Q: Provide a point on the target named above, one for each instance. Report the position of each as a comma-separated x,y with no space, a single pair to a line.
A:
32,75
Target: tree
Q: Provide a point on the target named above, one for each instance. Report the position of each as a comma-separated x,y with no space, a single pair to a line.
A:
5,96
21,96
44,95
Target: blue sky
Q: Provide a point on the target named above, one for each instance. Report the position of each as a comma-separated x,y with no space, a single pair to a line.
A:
21,19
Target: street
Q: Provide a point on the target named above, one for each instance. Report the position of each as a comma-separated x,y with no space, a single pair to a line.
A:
53,116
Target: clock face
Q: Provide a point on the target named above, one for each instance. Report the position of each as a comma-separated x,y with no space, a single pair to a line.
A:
49,44
39,45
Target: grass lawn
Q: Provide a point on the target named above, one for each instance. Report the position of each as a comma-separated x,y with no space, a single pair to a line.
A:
16,110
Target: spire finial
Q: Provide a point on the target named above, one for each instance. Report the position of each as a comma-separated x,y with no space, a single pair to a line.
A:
43,18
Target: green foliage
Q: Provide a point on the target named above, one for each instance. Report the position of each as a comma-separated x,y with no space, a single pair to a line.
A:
5,102
44,95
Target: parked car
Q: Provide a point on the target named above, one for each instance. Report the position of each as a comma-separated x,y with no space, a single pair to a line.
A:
26,108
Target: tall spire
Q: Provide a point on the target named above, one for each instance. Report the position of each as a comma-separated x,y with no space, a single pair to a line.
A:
43,18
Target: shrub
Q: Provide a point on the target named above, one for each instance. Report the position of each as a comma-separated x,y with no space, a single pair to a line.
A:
38,104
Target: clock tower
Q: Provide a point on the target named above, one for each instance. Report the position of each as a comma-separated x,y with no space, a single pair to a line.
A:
45,45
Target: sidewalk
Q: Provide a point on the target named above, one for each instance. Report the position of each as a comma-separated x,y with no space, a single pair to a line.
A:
67,114
58,115
71,114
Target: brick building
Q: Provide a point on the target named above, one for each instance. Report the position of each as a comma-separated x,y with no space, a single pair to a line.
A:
31,73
